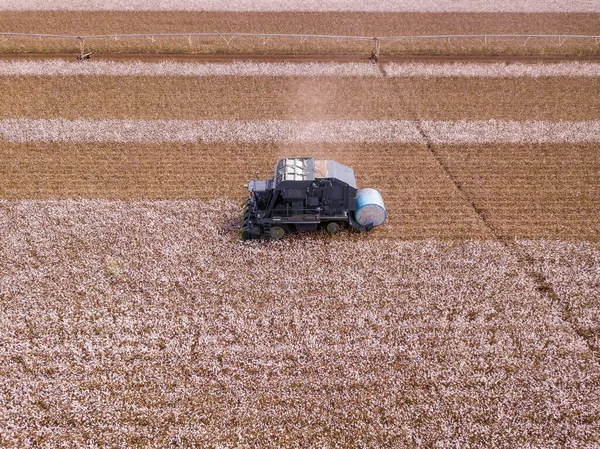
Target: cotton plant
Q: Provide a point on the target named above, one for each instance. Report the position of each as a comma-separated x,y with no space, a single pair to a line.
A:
492,70
154,323
297,131
188,69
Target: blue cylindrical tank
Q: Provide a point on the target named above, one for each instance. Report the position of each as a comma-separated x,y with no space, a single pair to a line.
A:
369,207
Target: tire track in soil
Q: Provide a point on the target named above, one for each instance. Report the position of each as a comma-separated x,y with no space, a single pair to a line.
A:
525,260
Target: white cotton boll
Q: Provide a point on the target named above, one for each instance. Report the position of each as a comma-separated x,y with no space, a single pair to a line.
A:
290,69
116,130
188,69
493,70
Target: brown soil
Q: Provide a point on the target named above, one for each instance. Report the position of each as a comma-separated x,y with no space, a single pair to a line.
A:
421,202
342,23
256,98
365,24
531,191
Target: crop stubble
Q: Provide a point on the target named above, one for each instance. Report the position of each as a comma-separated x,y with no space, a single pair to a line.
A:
327,98
523,189
420,201
531,190
79,23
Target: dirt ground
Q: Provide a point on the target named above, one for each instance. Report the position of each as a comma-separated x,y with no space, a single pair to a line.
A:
531,191
324,98
421,203
352,24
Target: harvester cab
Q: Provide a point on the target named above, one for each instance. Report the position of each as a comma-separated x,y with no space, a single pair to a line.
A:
306,194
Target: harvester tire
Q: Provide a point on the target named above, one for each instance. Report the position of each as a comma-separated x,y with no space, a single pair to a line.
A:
277,232
333,227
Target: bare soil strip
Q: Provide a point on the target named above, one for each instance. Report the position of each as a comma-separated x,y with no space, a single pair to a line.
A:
285,98
530,191
314,69
154,326
336,131
519,6
81,23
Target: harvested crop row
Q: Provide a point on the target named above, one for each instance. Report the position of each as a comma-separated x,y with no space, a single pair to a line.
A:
524,191
285,98
153,325
528,6
335,131
421,202
531,191
59,67
81,23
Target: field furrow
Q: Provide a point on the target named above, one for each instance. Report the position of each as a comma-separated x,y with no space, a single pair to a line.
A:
573,270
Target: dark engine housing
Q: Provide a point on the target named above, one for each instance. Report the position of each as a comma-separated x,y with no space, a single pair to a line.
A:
303,194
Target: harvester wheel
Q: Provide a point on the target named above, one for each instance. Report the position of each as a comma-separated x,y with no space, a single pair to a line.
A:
333,227
244,234
277,232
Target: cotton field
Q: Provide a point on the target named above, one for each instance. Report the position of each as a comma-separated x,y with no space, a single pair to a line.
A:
154,325
307,5
131,313
376,131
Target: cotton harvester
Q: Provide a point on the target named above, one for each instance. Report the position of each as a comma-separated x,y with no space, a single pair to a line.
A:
306,194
